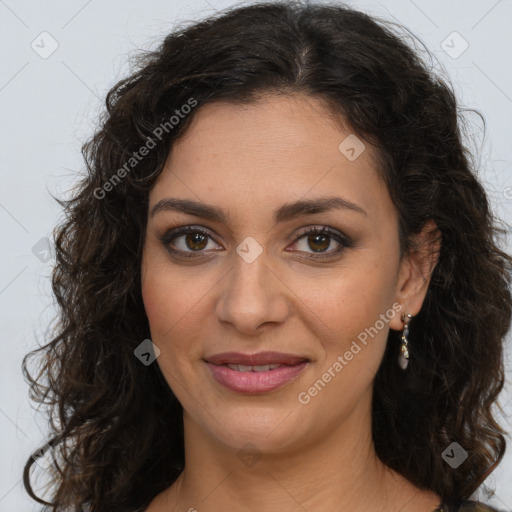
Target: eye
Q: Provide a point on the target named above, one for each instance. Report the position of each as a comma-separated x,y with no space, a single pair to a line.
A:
319,239
194,239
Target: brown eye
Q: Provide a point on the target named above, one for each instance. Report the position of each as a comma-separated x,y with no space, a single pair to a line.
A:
319,243
319,239
196,241
187,240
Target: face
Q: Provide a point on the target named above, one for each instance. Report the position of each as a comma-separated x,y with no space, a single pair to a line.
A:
256,277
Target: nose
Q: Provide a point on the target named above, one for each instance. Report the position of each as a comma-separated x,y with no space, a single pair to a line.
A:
252,296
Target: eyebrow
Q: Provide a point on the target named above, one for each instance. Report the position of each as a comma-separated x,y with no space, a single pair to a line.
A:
284,213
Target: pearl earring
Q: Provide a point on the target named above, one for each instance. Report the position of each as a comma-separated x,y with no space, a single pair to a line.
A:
403,358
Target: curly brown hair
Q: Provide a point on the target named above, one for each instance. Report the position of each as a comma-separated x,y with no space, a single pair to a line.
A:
109,451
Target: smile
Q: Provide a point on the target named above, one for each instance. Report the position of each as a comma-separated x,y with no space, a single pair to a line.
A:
257,368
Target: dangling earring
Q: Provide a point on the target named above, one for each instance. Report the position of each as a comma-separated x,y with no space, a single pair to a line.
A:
403,358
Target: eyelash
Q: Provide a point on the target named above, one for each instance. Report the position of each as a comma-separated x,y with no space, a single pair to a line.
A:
167,238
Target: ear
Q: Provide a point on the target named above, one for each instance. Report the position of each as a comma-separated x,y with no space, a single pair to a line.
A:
416,270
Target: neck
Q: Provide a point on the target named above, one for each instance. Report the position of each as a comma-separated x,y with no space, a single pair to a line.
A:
337,471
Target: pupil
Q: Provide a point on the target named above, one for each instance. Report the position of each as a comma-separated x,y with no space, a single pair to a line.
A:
316,237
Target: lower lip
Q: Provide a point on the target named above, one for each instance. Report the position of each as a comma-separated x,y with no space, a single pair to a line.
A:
255,382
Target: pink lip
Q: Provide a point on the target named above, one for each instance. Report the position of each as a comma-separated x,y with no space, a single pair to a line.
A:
253,383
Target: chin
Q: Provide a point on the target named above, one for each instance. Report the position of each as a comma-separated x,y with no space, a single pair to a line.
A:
267,430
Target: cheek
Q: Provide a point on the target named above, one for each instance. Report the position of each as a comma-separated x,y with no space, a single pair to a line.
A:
168,297
350,314
167,316
159,305
175,308
350,302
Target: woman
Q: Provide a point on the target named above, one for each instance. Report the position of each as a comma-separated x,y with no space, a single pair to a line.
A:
280,284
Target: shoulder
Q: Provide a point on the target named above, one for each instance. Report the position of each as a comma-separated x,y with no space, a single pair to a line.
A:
467,506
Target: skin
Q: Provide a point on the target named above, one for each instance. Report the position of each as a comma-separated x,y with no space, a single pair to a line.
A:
249,160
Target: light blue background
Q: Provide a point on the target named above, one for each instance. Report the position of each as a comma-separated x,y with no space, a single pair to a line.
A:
49,106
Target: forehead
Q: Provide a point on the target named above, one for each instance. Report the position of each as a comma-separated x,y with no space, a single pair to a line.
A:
279,149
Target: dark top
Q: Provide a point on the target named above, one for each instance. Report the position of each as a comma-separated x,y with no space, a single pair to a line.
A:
466,506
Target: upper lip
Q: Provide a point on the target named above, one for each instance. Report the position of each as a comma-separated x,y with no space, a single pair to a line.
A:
259,358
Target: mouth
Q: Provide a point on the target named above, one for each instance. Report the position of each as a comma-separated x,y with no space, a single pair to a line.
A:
255,373
259,359
255,368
